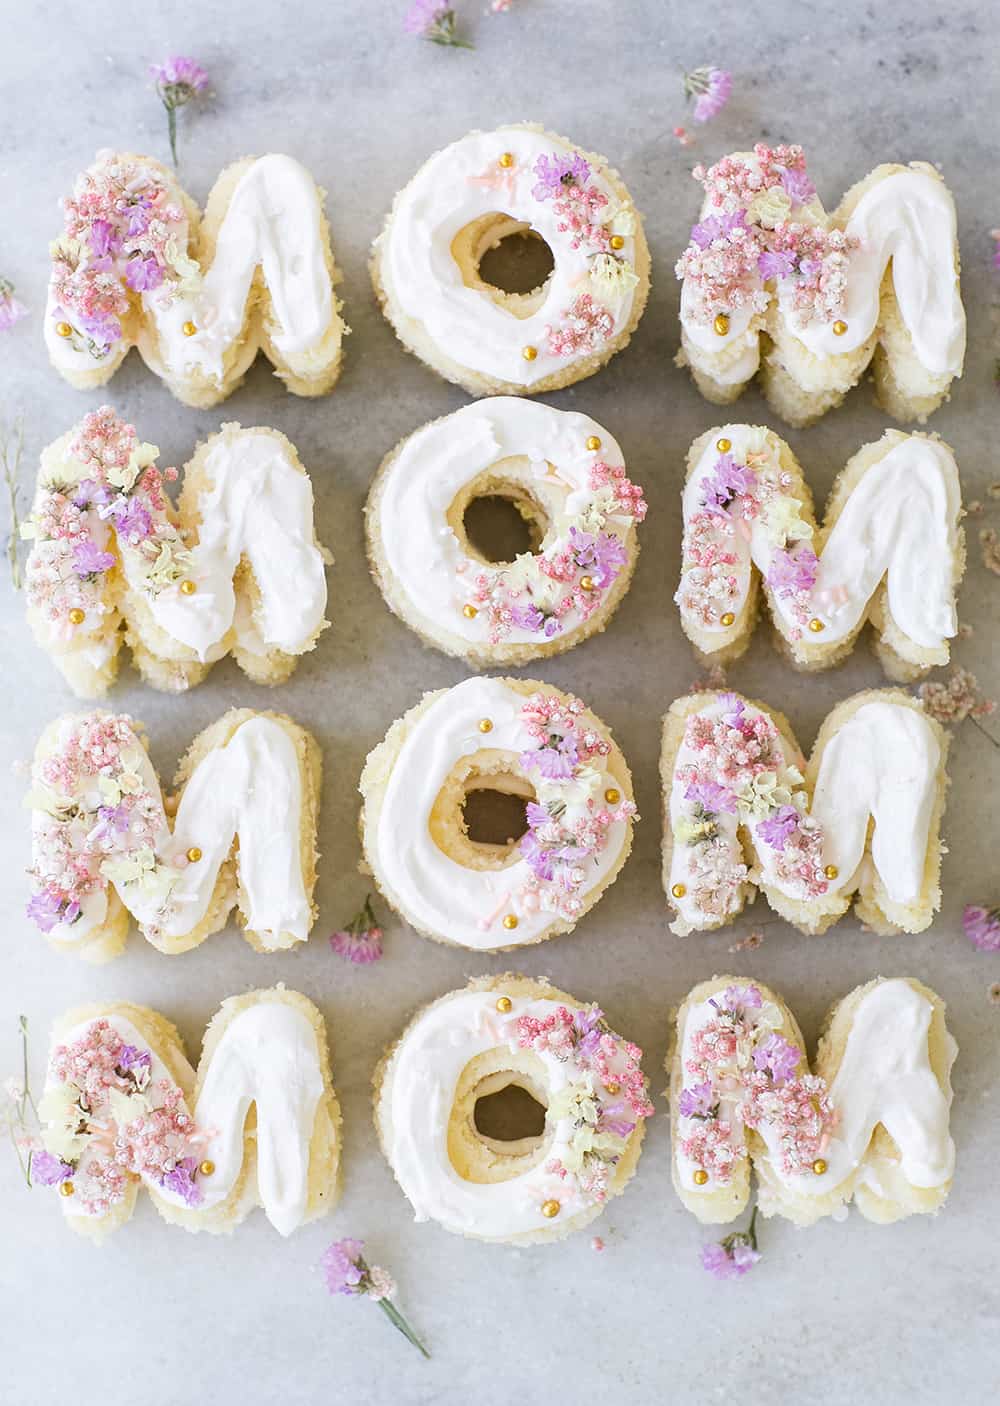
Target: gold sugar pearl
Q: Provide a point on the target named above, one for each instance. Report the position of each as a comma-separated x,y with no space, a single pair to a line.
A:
529,353
586,583
831,871
819,1166
470,612
550,1209
700,1177
66,1188
839,328
189,329
729,618
612,795
63,329
507,160
616,242
207,1168
613,1088
193,854
593,442
816,626
678,890
721,324
188,588
510,921
723,445
76,616
504,1005
485,724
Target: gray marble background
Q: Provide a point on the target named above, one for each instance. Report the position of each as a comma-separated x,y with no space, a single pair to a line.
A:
843,1312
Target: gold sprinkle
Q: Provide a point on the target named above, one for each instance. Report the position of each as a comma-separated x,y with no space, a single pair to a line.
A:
729,618
66,1188
193,854
613,1088
586,583
485,724
470,612
612,795
593,442
207,1168
510,921
721,324
550,1209
189,329
76,616
188,588
678,890
529,353
839,328
700,1177
723,445
819,1166
504,1004
616,242
507,159
63,329
816,626
831,871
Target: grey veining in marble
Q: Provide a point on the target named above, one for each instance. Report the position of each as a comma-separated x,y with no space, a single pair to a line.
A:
843,1313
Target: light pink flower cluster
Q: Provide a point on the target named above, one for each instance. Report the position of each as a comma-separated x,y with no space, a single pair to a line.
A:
742,1074
748,238
124,229
584,327
585,1038
159,1142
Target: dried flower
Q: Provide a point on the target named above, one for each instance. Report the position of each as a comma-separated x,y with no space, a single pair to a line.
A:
361,941
11,445
178,80
434,20
989,545
735,1255
347,1272
750,943
982,927
955,700
710,88
11,308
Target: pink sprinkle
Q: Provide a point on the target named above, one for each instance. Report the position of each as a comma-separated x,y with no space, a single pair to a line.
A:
597,1243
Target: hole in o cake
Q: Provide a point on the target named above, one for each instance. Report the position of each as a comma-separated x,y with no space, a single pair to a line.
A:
511,1114
498,1125
505,260
501,525
520,262
494,817
499,793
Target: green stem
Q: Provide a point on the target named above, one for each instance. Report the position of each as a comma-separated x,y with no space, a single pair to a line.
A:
398,1321
172,130
752,1229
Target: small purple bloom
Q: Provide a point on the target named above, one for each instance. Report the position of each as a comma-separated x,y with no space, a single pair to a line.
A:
554,763
49,1170
179,72
89,560
713,227
104,240
45,910
131,1057
341,1265
738,999
982,927
138,216
792,572
91,493
614,1118
710,87
180,1180
527,617
132,519
798,186
776,263
711,796
587,1024
735,716
111,820
603,556
433,20
698,1101
729,1261
727,481
143,273
11,308
778,1057
538,857
103,330
556,172
362,948
537,815
777,828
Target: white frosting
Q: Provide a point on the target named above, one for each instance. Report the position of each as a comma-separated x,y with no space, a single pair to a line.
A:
461,184
885,1077
909,218
434,891
899,523
257,505
273,221
251,789
267,1056
438,462
881,763
425,1070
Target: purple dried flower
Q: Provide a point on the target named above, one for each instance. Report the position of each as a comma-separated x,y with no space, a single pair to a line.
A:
434,20
45,909
539,858
346,1272
131,1057
49,1170
143,273
11,308
178,80
711,796
527,617
554,763
555,172
131,518
727,481
778,1057
739,999
710,87
797,185
777,828
792,572
735,1255
361,941
776,263
587,1024
698,1101
713,227
89,560
104,240
180,1180
734,716
982,927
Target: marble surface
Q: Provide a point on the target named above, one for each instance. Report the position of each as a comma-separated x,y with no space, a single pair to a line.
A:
844,1312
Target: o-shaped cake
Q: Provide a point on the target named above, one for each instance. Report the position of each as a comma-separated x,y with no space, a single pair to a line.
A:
462,203
566,477
469,1045
524,740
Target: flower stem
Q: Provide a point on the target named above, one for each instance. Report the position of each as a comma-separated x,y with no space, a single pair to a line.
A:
988,735
398,1321
752,1229
10,457
172,130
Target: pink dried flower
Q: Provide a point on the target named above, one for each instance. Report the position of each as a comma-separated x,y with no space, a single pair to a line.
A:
710,87
982,927
434,20
177,80
361,941
11,308
955,700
